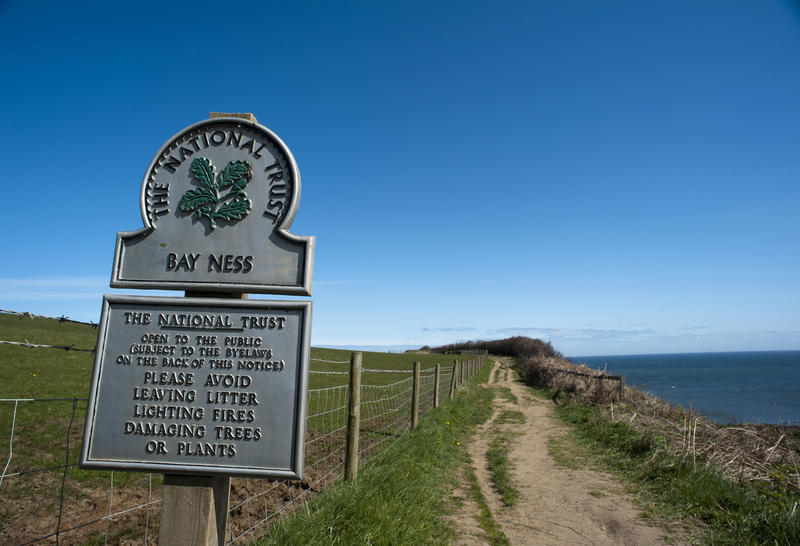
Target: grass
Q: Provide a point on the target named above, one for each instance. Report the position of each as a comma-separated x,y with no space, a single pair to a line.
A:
500,468
374,361
731,513
43,429
400,494
45,373
510,417
506,393
494,534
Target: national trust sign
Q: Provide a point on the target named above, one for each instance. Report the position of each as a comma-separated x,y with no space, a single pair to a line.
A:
207,385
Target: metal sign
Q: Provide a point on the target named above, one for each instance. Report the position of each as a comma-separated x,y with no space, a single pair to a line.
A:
200,386
217,202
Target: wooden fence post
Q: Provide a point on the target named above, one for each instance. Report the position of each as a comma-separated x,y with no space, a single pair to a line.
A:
436,382
353,418
415,398
621,388
194,510
453,380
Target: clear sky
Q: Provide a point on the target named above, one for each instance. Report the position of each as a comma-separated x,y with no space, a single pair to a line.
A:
616,177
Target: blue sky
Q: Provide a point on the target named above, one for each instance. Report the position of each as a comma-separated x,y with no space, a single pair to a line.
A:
616,177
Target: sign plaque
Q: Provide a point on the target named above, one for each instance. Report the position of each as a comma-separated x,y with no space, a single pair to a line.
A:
200,386
217,201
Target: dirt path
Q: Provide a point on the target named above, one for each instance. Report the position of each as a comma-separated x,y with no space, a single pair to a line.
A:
556,505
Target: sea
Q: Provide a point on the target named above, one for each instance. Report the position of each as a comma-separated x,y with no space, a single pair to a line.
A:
739,387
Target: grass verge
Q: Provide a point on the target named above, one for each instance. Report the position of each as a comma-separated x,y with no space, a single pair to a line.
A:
506,393
493,532
732,513
500,468
400,494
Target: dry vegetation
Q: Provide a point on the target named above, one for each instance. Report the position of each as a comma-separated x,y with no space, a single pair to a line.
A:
764,454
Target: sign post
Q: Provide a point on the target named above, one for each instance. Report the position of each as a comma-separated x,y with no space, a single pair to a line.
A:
212,385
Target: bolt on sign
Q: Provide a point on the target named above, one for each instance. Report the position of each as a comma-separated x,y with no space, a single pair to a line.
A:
203,385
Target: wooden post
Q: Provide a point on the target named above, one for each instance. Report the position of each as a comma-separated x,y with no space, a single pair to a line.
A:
436,385
194,510
415,397
621,388
453,380
353,418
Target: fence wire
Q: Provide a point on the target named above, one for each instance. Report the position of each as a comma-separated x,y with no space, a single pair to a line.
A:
30,345
60,319
258,501
385,414
45,497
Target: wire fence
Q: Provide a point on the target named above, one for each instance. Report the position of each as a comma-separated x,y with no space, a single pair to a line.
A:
60,319
45,497
30,345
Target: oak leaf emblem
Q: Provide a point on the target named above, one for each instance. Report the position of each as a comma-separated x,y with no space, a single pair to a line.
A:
206,200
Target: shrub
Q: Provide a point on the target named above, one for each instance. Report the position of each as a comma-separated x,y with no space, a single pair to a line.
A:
517,346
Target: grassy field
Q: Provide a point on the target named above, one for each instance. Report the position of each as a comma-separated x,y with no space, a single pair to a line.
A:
53,373
47,434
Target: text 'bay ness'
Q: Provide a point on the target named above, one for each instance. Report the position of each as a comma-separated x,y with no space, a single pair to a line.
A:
737,387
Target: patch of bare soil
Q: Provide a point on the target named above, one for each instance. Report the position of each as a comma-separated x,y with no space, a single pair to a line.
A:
556,505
